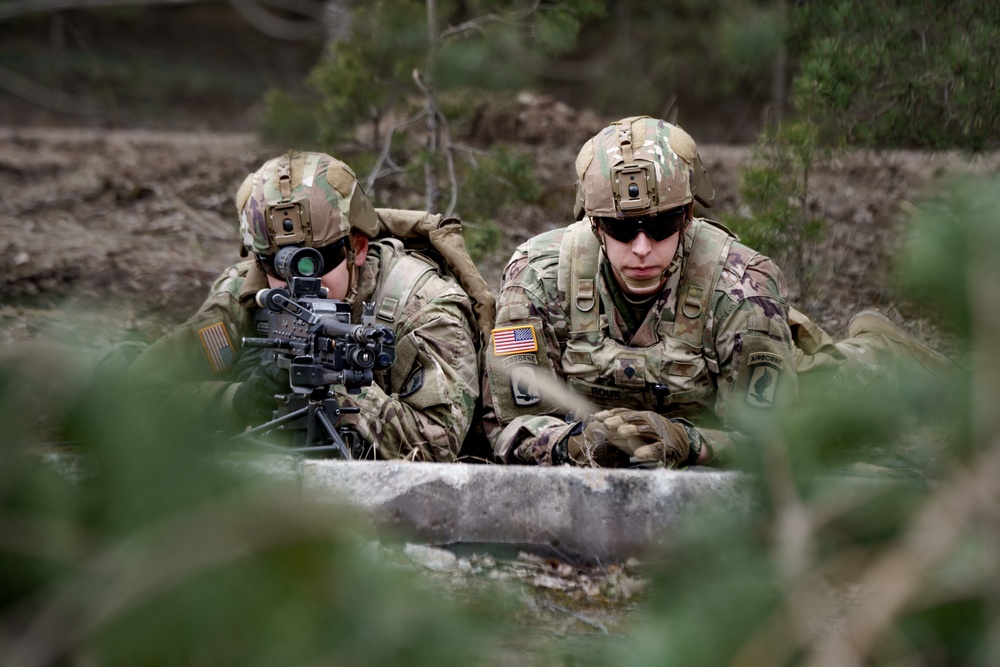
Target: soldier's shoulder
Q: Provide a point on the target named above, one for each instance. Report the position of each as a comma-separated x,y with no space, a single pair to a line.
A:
546,242
231,280
419,281
537,258
747,273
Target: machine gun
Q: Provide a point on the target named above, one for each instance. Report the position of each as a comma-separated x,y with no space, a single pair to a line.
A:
314,339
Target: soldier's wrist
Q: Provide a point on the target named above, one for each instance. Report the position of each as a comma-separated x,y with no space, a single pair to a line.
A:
560,450
696,444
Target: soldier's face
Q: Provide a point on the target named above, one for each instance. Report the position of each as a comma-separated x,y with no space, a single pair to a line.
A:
337,280
640,264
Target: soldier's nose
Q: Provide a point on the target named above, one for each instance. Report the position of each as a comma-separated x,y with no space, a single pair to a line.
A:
641,244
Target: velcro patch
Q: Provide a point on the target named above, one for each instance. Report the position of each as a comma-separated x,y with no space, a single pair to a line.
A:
413,383
514,340
630,372
218,348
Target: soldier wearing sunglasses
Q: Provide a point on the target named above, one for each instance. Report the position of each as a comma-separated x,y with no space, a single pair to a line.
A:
671,331
644,336
421,408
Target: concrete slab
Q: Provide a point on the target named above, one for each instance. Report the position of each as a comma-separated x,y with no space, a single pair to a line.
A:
606,514
603,514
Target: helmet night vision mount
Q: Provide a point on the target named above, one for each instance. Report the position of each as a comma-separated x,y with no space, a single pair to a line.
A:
288,220
633,183
289,223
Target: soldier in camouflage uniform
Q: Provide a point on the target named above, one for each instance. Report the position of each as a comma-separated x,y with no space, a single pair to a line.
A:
421,408
677,336
678,331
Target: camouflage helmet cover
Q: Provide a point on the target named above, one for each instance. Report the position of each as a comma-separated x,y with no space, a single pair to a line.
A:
302,198
638,166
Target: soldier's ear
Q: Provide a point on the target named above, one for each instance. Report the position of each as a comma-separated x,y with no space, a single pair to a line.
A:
360,243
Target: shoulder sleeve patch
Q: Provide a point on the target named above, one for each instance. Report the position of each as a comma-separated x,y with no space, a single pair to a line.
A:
217,346
514,340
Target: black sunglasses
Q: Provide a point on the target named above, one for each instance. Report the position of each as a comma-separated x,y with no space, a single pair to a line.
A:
657,227
332,254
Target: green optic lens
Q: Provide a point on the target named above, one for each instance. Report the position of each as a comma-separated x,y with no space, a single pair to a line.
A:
307,266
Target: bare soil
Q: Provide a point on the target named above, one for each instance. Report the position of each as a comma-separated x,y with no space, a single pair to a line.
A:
125,230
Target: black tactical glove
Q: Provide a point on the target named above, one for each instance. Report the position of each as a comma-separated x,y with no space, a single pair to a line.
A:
260,379
650,439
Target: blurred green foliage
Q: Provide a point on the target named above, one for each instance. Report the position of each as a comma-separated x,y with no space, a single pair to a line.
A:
365,77
774,185
900,74
868,74
870,534
152,542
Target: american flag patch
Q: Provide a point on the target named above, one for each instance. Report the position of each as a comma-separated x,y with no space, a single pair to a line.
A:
218,348
511,340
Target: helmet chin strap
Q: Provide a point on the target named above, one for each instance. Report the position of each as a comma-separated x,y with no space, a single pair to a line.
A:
632,284
352,274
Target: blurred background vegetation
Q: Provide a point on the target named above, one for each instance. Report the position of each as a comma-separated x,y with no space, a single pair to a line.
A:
874,534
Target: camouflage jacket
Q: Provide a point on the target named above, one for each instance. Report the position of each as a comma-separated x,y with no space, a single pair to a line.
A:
714,347
420,409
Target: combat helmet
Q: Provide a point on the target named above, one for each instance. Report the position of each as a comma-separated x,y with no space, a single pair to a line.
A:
639,166
303,199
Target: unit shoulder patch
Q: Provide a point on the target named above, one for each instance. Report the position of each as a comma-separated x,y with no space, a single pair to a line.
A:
765,368
524,386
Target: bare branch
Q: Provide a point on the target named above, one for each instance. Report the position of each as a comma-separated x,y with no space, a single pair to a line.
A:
440,123
48,98
14,8
450,158
578,616
275,26
559,70
309,8
898,574
383,157
477,24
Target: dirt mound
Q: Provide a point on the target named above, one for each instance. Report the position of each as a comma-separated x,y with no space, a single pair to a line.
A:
144,221
533,120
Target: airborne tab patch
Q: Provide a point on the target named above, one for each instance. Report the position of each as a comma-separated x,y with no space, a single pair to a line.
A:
218,348
514,340
763,379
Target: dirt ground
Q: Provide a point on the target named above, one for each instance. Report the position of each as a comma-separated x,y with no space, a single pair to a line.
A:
110,235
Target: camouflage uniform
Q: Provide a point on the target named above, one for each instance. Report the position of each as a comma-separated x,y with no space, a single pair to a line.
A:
580,372
420,409
713,383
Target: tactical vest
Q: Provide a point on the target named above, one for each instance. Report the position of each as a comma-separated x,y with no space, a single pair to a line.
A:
406,271
673,375
403,275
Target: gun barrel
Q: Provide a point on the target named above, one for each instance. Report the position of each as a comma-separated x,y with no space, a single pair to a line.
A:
355,333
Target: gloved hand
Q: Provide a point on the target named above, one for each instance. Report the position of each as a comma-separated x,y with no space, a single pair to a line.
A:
648,438
260,379
587,445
